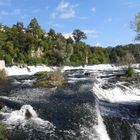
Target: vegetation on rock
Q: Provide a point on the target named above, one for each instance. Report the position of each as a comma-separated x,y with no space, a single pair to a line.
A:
3,75
51,79
41,73
131,72
3,132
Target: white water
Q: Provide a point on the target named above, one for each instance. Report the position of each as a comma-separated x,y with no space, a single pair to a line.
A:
30,70
18,117
98,131
118,93
100,128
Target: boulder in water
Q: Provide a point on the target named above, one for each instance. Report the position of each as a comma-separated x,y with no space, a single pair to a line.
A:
1,105
28,115
87,74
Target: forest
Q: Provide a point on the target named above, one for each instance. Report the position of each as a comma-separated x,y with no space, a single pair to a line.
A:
32,45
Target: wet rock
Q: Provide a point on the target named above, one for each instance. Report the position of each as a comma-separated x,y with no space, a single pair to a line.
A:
107,86
138,109
87,74
28,115
1,105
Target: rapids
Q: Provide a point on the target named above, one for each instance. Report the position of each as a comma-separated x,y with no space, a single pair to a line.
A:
92,106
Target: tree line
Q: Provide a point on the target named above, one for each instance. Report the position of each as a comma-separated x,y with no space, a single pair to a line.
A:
32,45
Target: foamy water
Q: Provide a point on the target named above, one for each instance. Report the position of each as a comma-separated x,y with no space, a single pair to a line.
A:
18,117
117,93
30,70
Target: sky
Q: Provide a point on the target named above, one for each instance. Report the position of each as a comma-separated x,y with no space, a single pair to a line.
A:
105,22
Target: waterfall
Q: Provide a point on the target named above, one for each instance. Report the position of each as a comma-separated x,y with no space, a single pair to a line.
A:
97,131
101,128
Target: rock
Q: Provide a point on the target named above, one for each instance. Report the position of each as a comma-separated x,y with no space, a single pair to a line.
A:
87,74
1,105
28,115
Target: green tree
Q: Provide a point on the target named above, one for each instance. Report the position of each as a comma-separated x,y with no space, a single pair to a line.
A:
8,59
35,29
98,55
69,52
128,58
78,35
136,26
79,55
9,48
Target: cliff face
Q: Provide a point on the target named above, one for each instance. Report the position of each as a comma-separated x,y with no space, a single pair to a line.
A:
37,54
2,64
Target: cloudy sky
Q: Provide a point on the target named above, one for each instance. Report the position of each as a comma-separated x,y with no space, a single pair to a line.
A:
106,22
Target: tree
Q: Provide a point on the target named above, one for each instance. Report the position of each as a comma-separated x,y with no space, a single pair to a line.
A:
35,29
79,56
98,55
69,52
9,48
128,58
51,32
136,26
78,35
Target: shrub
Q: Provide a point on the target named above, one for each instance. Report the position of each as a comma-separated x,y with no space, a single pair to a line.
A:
51,79
3,132
131,72
41,73
8,59
3,75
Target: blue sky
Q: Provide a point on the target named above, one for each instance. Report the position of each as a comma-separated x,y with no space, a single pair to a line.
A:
106,22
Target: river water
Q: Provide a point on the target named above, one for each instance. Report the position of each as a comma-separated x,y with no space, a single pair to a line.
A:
75,111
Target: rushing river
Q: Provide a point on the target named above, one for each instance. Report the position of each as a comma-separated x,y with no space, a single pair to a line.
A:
75,111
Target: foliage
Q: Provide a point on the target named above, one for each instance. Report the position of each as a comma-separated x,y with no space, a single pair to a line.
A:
78,35
127,54
136,26
32,45
99,56
41,73
131,72
3,132
50,80
3,75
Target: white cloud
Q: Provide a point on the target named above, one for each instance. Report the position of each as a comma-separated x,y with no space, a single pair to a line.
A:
98,44
89,32
35,11
64,10
4,13
109,19
53,15
15,12
67,35
126,25
83,18
5,2
67,15
57,25
93,9
47,7
62,6
132,4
